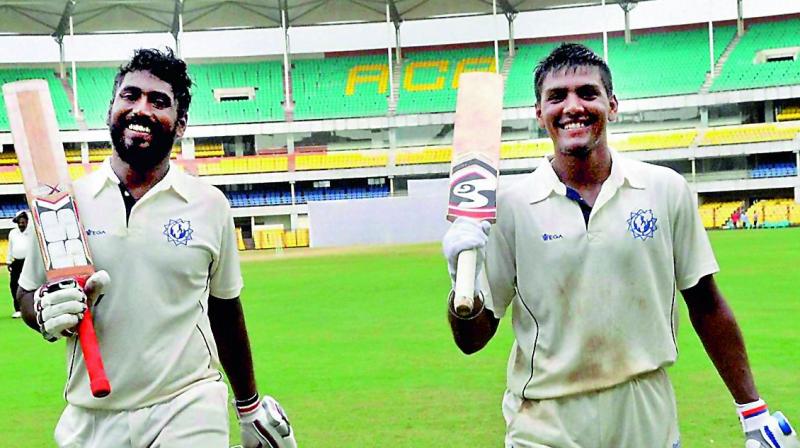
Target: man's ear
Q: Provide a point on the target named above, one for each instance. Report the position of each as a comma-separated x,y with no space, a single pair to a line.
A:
539,115
613,108
180,126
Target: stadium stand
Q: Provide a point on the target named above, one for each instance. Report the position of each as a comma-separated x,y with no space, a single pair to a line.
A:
259,198
60,100
681,138
425,155
660,75
340,87
340,159
331,194
744,69
788,113
774,170
10,205
429,78
242,165
279,238
751,133
775,213
715,215
95,88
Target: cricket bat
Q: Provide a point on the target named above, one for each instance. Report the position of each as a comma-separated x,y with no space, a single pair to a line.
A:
48,189
475,167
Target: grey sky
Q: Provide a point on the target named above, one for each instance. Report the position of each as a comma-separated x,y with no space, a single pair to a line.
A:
269,42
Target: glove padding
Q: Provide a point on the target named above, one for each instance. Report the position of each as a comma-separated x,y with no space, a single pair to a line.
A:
265,425
60,305
762,430
466,234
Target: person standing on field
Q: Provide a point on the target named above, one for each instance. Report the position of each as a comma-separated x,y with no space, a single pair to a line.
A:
589,251
19,243
166,299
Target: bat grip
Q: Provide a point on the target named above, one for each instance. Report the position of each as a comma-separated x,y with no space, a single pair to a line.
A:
464,289
98,381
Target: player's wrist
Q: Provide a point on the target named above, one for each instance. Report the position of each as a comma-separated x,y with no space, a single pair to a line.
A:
248,406
476,311
752,415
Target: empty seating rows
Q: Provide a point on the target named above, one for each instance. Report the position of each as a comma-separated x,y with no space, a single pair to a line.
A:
653,140
743,69
259,198
242,165
279,238
61,102
750,133
340,159
429,79
340,87
9,208
774,170
660,75
788,113
775,213
332,194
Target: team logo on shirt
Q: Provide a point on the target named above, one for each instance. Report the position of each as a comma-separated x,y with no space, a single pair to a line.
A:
178,231
642,224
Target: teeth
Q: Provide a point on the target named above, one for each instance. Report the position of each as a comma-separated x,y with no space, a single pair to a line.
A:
139,128
570,126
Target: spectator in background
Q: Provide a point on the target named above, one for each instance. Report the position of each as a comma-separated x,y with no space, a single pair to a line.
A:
735,218
19,241
745,220
755,219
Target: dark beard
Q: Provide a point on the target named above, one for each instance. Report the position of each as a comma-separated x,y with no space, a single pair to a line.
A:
142,160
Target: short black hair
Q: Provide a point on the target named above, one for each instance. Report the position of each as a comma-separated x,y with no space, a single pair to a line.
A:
571,55
164,66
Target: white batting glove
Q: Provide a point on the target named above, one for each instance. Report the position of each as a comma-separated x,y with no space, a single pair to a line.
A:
60,305
465,234
264,424
762,430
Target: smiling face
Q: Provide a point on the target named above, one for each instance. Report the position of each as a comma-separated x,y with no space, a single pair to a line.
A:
143,120
575,109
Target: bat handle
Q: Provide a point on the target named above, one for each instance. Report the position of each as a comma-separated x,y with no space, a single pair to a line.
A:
98,381
463,302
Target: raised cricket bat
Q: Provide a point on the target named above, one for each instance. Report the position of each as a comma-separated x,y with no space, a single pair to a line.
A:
475,167
48,188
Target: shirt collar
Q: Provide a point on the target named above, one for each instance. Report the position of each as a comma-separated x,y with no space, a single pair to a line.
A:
172,181
545,181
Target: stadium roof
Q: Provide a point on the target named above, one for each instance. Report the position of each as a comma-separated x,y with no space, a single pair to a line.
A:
51,17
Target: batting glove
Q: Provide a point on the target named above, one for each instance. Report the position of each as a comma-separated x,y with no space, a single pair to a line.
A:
465,234
762,430
59,305
264,424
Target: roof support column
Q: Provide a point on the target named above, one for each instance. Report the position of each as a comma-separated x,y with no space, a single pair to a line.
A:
711,37
627,7
510,14
75,110
62,72
389,54
605,32
739,18
177,26
287,83
494,33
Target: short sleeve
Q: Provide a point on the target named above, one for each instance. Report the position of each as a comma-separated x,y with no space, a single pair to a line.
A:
500,273
33,274
226,276
692,251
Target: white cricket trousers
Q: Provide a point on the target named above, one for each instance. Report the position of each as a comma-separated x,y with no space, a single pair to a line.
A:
639,413
197,418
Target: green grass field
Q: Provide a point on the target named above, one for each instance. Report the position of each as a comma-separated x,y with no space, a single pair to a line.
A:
357,349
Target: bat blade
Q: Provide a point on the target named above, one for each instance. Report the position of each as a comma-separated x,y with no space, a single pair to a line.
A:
475,167
48,189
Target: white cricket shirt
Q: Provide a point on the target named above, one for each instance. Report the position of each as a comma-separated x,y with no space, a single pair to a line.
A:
593,307
178,247
19,243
